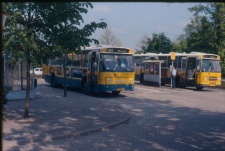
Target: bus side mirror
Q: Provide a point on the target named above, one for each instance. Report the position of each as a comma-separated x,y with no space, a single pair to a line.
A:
95,65
198,68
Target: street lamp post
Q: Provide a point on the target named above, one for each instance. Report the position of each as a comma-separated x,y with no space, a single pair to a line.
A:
64,69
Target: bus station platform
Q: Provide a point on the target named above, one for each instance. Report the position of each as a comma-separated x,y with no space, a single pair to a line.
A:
53,116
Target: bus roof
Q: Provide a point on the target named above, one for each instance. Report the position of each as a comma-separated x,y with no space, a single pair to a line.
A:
192,54
97,47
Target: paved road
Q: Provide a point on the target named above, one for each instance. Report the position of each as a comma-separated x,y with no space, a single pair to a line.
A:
53,116
162,119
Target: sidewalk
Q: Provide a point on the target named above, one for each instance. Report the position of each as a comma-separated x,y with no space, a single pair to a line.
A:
53,116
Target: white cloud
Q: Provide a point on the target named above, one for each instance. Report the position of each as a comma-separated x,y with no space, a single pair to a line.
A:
102,9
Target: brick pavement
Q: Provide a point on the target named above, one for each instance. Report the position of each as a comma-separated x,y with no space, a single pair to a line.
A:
53,116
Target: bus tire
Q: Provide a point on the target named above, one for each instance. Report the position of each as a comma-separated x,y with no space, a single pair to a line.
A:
84,86
115,92
141,78
199,88
53,80
178,84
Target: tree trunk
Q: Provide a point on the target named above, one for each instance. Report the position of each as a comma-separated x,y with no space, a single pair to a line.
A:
26,115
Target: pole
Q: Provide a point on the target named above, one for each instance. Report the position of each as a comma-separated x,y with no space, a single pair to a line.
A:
171,75
4,55
65,64
33,79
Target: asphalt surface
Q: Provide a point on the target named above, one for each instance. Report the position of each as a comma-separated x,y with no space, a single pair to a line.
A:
53,116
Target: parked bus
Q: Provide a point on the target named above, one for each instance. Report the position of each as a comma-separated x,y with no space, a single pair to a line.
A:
96,69
193,69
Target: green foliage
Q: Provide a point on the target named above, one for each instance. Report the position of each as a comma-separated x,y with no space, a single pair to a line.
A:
180,45
159,44
62,27
47,30
200,35
37,31
210,25
206,31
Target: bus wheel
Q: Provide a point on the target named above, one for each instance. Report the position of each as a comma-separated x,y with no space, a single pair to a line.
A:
84,87
141,78
162,84
115,92
199,88
178,84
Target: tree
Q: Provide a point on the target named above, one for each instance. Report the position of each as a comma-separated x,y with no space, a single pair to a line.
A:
212,31
180,45
199,35
108,38
159,43
37,31
214,12
143,44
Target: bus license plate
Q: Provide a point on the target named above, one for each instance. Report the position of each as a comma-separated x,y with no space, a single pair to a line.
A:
212,84
120,89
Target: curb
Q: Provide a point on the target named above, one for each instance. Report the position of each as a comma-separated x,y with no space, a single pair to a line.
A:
91,131
77,134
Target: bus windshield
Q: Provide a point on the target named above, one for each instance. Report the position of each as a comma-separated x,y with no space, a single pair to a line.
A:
117,62
211,65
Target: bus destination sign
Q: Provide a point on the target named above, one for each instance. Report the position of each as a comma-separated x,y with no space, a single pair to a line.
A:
118,50
210,56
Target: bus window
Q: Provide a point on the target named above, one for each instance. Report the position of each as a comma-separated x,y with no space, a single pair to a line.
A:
146,67
164,63
76,60
191,63
97,61
183,63
111,62
169,62
211,65
175,64
179,62
198,65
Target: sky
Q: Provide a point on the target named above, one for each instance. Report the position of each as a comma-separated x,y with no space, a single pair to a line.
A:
130,21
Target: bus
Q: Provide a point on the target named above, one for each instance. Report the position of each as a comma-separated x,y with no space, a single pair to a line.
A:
95,69
194,69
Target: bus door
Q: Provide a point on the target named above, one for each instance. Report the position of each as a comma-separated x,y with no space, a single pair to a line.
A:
198,72
190,71
93,67
182,73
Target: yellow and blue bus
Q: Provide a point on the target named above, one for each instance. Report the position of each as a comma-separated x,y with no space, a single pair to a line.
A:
96,69
194,69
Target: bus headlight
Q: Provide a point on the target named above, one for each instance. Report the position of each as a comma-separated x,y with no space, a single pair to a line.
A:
131,80
219,79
